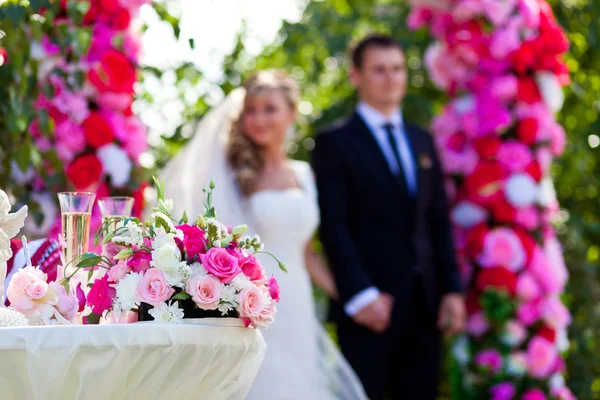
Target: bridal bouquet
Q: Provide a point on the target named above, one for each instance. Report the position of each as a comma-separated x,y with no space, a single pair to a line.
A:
171,269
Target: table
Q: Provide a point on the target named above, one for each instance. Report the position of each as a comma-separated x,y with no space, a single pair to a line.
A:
210,359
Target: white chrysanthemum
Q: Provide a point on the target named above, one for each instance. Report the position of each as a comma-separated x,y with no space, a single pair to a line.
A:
10,317
229,299
216,230
116,163
467,214
460,350
546,194
127,294
521,190
198,269
167,313
164,218
178,274
241,281
169,204
132,236
551,90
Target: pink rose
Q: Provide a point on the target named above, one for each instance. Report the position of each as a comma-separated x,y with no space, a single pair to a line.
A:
248,264
549,269
514,156
498,12
555,314
528,313
140,261
493,115
477,325
505,87
193,240
36,289
504,42
153,287
114,101
117,272
221,264
68,305
101,295
528,217
26,282
503,391
541,357
534,394
137,141
205,291
563,393
252,302
491,359
503,248
558,139
528,288
266,317
274,290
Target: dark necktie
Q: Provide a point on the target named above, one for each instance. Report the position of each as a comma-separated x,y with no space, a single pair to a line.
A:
389,128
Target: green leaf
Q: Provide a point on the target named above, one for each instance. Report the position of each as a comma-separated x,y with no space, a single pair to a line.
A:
90,274
108,238
184,219
181,296
88,260
192,43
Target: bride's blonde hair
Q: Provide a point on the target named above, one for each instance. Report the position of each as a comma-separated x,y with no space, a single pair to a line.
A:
244,155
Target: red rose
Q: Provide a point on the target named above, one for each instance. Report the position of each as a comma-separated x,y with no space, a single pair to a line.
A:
139,200
114,73
528,242
474,240
84,171
92,15
547,333
97,130
534,170
3,56
109,6
484,185
527,130
497,278
488,146
528,91
121,20
524,58
503,211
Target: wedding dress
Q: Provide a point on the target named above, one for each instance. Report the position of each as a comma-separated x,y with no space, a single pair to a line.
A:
302,362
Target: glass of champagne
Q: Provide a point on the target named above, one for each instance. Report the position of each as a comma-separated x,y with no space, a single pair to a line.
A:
76,214
113,209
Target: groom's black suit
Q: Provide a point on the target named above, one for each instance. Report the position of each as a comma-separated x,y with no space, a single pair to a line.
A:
376,234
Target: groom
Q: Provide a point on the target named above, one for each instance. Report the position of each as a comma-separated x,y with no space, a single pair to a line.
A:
386,232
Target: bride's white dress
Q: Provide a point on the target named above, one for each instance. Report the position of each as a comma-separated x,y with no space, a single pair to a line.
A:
302,362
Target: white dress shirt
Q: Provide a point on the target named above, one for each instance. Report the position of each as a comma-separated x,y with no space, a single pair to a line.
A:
375,121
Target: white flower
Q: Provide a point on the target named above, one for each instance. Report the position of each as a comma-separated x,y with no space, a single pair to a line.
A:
166,257
132,236
115,163
460,350
546,194
162,238
521,190
551,90
127,294
198,269
467,214
157,215
562,341
557,381
170,314
464,104
241,281
178,274
169,204
216,230
229,299
517,364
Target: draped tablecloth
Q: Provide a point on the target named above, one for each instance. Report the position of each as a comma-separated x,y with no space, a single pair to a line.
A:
208,359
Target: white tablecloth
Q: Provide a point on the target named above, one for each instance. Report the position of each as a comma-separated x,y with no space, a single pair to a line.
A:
211,360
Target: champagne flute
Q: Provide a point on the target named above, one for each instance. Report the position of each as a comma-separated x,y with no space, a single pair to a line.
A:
76,215
115,208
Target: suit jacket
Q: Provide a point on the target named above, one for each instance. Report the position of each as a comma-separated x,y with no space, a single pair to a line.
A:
372,230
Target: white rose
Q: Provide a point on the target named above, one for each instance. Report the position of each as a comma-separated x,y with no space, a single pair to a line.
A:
546,194
551,90
467,214
162,238
115,163
521,190
166,257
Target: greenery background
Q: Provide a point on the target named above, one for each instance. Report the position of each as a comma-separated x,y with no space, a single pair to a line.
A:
314,52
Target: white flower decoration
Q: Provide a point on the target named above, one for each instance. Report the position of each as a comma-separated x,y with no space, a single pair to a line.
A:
167,313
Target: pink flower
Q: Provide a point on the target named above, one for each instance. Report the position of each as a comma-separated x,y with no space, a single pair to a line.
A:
551,275
528,217
504,87
541,357
563,393
514,333
418,17
273,288
528,288
137,140
252,302
101,295
72,104
503,391
554,313
114,101
70,140
205,291
36,289
558,139
466,10
140,261
534,394
528,313
25,281
249,265
504,42
490,359
266,317
221,264
494,117
193,240
153,287
68,305
116,272
502,248
498,12
514,156
477,324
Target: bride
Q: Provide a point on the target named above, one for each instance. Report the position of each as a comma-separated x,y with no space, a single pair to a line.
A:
240,144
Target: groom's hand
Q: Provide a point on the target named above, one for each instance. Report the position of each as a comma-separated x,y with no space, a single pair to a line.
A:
376,316
453,314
